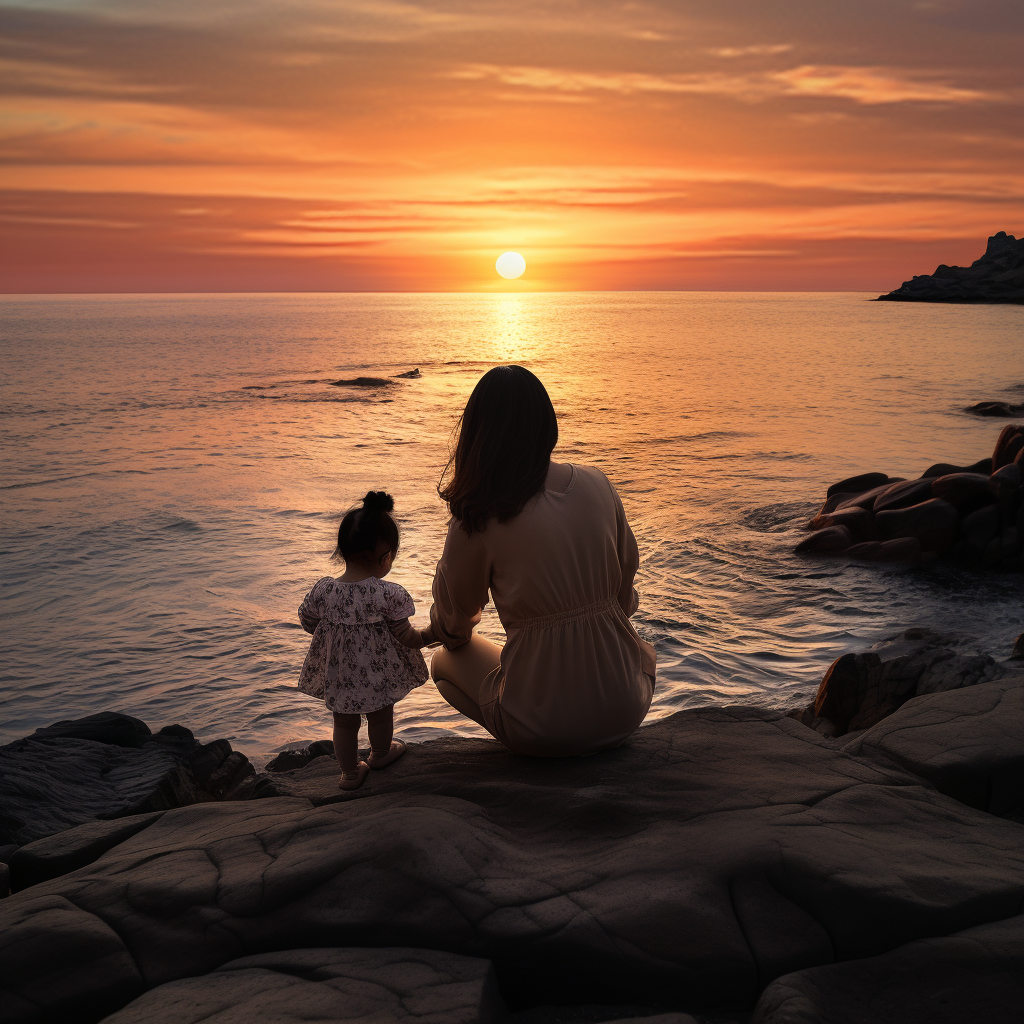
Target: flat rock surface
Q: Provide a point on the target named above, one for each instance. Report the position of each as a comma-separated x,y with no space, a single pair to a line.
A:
716,851
977,975
361,986
967,742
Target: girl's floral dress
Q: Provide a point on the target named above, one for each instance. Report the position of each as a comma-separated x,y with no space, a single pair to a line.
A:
355,664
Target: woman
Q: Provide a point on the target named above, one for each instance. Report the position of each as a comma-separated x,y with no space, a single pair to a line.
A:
551,543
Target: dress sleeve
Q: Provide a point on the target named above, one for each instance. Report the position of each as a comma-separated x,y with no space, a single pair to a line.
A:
460,587
311,611
398,603
629,558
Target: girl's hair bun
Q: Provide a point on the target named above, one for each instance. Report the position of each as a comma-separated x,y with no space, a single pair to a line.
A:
378,501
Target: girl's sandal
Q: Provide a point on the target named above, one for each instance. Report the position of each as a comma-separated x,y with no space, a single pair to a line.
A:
398,748
353,780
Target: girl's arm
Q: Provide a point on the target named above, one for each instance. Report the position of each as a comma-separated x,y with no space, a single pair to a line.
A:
409,636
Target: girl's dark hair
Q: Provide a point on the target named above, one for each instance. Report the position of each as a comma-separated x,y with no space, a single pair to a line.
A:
366,525
505,438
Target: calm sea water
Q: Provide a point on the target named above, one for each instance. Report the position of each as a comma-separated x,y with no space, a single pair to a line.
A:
174,469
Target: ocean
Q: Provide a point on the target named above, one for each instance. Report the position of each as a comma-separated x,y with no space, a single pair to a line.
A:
175,467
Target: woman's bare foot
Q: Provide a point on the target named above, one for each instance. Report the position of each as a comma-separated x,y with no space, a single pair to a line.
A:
353,780
375,760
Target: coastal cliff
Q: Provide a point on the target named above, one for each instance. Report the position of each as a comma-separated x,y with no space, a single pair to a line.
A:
996,277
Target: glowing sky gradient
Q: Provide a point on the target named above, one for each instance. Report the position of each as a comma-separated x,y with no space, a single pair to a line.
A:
371,145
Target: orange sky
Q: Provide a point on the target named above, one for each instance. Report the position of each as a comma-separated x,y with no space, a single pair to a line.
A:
236,145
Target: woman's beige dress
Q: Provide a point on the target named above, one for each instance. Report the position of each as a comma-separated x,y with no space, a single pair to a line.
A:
574,675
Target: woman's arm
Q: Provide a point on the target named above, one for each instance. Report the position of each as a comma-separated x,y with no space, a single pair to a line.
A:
460,587
629,558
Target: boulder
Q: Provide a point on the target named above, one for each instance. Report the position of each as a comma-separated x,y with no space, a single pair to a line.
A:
967,742
362,382
859,521
51,784
715,851
980,528
860,689
367,986
289,760
106,727
903,495
410,374
1005,480
976,975
966,492
858,484
933,522
945,469
1008,445
866,499
830,540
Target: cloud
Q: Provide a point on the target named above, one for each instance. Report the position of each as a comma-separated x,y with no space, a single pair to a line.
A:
863,85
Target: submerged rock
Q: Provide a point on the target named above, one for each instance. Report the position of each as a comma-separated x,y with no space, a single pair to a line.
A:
1004,409
998,277
363,382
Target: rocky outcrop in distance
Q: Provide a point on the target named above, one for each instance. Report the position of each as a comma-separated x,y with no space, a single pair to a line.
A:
972,514
997,277
724,862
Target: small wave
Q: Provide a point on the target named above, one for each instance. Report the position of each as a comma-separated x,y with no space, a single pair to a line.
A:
778,517
185,525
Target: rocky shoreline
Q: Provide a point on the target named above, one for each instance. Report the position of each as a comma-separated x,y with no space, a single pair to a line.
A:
860,859
971,514
997,277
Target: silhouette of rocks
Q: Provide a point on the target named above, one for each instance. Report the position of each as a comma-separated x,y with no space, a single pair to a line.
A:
996,277
363,382
973,975
859,690
1004,409
410,374
715,852
109,766
972,514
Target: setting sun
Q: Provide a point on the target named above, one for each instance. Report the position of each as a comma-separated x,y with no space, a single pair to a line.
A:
510,265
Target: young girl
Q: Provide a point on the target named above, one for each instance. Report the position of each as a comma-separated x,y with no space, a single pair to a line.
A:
365,654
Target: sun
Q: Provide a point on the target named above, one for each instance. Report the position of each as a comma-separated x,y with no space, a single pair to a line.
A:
510,265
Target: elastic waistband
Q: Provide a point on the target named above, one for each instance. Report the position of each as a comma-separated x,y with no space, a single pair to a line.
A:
570,615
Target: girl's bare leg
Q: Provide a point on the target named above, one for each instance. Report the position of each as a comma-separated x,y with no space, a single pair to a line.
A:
381,727
346,741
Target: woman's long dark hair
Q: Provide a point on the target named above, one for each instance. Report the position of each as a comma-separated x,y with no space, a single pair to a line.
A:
505,438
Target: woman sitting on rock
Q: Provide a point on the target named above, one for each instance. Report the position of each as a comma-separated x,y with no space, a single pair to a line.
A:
551,543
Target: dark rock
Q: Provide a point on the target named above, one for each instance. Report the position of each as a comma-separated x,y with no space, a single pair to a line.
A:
321,748
998,276
205,759
1006,479
904,549
933,523
859,690
859,521
752,848
175,737
858,484
828,541
368,986
867,498
410,374
288,760
54,783
984,466
363,382
966,742
1009,444
976,975
105,727
966,492
72,849
5,880
1005,409
1018,649
980,528
227,782
831,504
903,495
